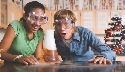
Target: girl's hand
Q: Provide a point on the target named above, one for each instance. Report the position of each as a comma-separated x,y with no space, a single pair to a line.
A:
28,60
100,60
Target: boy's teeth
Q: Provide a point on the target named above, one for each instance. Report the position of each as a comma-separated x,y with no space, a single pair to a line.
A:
63,33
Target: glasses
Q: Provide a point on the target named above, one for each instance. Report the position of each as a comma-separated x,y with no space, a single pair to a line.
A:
41,18
65,23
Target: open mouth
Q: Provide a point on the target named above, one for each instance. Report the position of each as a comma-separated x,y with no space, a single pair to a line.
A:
34,27
63,34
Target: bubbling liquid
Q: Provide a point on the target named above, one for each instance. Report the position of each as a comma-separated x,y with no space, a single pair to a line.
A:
49,53
49,56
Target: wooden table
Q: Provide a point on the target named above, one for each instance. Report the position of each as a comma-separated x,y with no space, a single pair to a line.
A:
118,66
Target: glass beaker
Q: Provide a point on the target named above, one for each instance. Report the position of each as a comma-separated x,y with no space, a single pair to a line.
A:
49,47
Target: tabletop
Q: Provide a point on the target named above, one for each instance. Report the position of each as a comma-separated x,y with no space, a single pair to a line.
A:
118,66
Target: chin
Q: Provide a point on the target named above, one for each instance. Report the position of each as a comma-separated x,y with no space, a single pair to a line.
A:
64,37
34,30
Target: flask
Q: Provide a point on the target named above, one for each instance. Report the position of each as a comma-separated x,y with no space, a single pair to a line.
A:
49,46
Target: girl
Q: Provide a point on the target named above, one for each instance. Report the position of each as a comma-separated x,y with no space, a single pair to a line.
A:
23,39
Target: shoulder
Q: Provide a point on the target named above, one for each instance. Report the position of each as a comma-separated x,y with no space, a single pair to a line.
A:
17,26
81,29
15,22
84,32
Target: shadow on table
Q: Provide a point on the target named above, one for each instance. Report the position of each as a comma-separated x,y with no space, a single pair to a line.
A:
62,67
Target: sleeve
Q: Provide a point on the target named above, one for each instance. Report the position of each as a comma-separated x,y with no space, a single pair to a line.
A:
40,34
16,26
102,48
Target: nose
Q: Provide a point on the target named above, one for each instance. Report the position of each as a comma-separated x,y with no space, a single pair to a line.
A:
37,22
62,27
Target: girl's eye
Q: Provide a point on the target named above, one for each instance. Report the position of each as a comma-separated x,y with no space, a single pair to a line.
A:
42,18
33,17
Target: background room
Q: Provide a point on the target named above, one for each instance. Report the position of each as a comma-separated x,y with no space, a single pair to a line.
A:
92,14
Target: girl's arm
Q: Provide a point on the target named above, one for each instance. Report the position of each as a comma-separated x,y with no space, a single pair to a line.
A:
6,43
38,50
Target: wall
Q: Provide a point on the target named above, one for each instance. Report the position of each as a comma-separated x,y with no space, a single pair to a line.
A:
101,37
41,1
2,31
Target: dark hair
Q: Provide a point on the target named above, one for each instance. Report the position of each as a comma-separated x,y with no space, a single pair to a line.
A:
30,6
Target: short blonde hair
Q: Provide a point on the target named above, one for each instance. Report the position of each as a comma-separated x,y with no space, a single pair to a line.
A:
62,14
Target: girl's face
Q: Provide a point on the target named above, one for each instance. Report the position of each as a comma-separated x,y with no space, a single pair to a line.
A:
36,19
64,28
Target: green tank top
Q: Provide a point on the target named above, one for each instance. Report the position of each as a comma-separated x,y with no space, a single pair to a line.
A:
21,44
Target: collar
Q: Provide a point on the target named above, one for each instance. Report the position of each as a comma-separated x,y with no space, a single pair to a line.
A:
76,36
35,34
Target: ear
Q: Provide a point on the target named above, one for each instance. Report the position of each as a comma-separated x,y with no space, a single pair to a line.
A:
53,24
73,25
24,16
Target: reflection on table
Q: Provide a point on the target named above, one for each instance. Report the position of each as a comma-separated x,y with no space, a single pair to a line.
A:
64,67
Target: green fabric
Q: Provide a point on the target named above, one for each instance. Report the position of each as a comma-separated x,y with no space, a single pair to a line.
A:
21,44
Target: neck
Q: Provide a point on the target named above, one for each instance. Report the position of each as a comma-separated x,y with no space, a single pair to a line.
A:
27,29
69,38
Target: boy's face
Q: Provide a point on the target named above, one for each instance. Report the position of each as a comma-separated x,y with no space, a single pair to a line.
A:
64,27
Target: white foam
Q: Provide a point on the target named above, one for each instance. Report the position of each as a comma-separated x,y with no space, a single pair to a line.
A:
49,41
